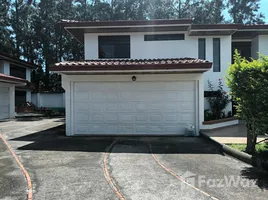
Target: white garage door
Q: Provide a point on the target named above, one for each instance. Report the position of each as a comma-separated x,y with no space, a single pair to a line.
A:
4,103
144,108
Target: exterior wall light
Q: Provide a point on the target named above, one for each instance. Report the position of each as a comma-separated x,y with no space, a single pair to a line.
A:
134,78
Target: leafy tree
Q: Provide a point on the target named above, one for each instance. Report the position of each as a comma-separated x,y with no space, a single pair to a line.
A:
7,44
245,11
207,12
29,30
248,82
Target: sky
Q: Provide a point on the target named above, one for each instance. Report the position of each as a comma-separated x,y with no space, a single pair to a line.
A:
264,9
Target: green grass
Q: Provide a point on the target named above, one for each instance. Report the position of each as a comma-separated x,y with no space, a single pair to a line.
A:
261,149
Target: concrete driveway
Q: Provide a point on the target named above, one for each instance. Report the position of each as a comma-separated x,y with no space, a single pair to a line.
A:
134,168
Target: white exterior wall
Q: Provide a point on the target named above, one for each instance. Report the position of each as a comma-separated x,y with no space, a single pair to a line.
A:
68,82
263,45
28,74
140,49
11,93
4,67
226,60
49,100
259,44
255,47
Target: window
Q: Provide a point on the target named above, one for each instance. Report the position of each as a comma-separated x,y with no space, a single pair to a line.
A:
161,37
202,48
216,55
114,46
19,72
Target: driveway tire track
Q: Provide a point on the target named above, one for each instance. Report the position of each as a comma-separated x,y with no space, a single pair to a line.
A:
178,177
26,174
107,174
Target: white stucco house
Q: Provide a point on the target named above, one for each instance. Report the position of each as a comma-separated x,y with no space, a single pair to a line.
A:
15,77
7,95
149,77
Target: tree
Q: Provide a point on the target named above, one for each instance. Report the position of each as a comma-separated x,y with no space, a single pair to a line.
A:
245,11
248,82
207,12
7,44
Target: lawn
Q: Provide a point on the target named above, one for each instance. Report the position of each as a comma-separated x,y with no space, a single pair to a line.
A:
261,149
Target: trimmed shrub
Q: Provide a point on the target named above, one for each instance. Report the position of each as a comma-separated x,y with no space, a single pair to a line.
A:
248,81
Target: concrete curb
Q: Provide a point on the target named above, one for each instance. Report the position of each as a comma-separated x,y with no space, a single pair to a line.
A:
232,152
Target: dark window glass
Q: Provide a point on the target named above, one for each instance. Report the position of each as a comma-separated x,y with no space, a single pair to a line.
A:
212,93
202,48
114,46
20,97
244,49
216,54
19,72
161,37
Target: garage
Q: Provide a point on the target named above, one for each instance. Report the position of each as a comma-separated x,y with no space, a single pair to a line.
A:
4,103
7,95
133,97
152,108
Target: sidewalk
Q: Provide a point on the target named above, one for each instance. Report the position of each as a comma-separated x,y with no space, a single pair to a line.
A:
232,134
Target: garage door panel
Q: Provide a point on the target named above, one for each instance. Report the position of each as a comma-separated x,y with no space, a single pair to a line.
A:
81,96
187,117
97,107
4,90
187,106
111,118
186,96
4,103
112,96
127,128
134,108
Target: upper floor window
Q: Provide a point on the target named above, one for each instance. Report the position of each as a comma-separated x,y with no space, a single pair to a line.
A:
216,54
202,48
163,37
114,46
19,72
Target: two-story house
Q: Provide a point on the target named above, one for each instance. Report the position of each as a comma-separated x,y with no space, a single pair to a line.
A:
15,78
149,77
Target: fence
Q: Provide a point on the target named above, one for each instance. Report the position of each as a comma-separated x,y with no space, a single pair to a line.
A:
49,100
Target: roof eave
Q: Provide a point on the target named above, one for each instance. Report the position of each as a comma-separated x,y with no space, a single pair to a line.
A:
12,81
18,61
200,67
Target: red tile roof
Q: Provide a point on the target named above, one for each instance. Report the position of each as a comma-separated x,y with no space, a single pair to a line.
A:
131,64
11,79
125,22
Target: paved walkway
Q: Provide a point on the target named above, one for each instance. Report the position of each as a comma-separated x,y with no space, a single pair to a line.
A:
231,134
151,168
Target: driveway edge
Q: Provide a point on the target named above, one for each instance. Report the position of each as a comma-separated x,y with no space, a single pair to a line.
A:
107,174
26,174
230,151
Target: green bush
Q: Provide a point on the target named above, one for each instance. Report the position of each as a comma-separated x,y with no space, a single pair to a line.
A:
248,81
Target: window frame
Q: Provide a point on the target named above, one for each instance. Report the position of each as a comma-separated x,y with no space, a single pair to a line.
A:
200,48
217,60
164,37
100,43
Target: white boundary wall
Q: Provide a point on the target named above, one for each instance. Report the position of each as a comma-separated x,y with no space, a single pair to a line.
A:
49,100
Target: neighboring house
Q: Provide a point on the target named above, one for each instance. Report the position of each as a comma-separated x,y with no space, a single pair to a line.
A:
21,69
7,95
149,77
